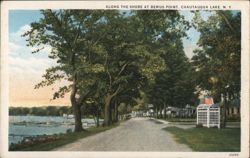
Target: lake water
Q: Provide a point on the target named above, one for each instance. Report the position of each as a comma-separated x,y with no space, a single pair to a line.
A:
26,126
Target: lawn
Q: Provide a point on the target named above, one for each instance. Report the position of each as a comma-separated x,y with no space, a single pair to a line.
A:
208,139
180,119
62,139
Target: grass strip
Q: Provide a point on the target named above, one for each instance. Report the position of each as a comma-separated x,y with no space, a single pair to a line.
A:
180,119
208,139
63,139
155,121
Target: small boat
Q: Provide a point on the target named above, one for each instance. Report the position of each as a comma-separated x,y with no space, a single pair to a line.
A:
68,116
65,115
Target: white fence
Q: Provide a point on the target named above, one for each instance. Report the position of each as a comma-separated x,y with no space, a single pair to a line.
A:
208,116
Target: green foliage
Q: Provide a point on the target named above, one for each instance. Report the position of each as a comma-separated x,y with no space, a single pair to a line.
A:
110,57
141,102
174,84
91,108
67,33
217,61
124,109
40,111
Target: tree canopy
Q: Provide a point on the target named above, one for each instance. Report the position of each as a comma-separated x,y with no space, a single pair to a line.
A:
217,61
114,60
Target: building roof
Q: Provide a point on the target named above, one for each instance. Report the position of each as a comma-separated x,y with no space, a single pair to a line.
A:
206,106
207,100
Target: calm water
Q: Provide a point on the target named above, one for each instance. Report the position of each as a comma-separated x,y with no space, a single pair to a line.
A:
25,126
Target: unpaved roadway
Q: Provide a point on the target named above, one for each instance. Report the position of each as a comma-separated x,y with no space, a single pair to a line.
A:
136,134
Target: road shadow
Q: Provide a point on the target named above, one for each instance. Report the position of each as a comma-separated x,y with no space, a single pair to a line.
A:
155,121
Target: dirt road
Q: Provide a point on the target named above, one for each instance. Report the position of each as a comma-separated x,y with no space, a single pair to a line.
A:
136,134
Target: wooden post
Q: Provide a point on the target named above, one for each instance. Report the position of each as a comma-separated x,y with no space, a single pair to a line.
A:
208,117
197,116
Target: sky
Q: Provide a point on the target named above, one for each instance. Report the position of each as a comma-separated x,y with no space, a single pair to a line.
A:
27,68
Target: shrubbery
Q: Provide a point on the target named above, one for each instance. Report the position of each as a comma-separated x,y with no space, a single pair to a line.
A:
41,111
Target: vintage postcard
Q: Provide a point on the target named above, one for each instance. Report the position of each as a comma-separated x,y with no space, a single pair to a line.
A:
124,79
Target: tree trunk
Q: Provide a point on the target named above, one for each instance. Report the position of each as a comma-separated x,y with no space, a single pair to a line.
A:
165,112
111,114
225,111
76,109
97,119
160,111
106,121
157,113
115,112
78,121
108,99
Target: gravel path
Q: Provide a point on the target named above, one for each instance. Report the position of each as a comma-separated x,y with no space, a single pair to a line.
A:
136,134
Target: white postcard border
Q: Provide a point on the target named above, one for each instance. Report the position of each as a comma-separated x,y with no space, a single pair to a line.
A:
235,5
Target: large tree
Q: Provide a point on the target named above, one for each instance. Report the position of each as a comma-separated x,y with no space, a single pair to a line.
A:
67,33
129,58
217,61
172,85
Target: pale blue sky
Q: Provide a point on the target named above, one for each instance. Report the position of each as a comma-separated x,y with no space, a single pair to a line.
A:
193,36
18,19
